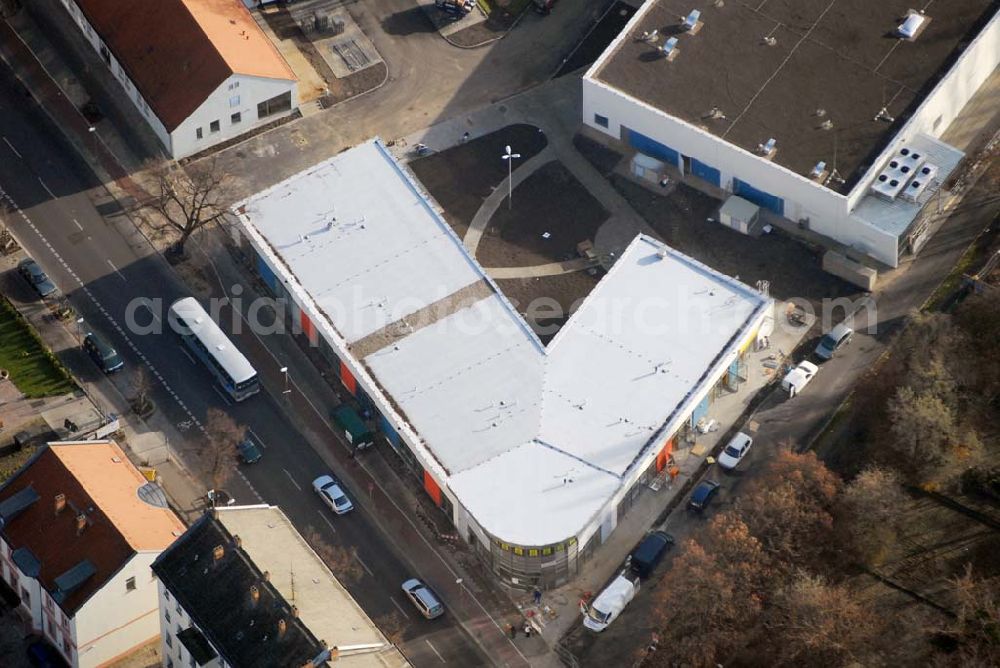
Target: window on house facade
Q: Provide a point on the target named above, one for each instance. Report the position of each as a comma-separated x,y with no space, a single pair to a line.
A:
213,126
276,105
130,584
50,627
236,118
169,639
234,101
166,615
26,598
166,594
198,133
234,84
67,649
601,120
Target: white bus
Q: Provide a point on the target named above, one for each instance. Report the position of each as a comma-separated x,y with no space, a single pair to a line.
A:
211,345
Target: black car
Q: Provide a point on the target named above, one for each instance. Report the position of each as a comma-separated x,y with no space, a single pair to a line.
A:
649,553
103,354
702,495
38,279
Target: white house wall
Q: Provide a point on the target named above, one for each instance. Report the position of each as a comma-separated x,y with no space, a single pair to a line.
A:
240,93
131,92
115,621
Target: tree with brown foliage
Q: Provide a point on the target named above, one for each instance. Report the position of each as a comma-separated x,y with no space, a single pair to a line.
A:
974,635
217,456
341,561
868,514
185,199
789,508
707,605
812,622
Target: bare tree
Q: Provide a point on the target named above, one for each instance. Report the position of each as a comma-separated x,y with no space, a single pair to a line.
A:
343,562
392,625
789,508
218,453
869,514
975,632
815,623
188,198
142,385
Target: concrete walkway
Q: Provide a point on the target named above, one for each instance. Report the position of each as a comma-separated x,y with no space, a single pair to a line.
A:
499,195
538,270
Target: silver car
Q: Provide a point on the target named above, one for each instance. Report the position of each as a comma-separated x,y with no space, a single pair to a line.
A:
330,490
425,600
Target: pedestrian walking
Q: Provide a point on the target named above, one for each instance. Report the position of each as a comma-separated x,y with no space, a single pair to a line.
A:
537,594
527,629
513,631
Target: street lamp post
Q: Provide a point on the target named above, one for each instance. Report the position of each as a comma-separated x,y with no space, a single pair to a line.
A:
287,389
79,331
509,157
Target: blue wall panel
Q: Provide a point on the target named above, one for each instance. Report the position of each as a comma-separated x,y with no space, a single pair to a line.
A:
703,171
266,274
759,197
653,148
386,428
700,411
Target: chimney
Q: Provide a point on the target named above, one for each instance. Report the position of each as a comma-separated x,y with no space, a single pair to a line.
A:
238,542
266,575
282,627
254,594
218,552
295,612
81,523
60,504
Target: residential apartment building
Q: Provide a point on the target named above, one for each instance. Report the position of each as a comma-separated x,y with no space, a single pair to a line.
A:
242,588
79,528
199,71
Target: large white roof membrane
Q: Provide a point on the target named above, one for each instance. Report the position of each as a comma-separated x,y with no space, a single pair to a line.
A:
533,441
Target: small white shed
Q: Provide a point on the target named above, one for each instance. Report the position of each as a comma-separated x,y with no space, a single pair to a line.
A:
739,214
646,167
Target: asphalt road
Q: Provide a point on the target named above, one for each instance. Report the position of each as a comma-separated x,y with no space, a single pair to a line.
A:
101,273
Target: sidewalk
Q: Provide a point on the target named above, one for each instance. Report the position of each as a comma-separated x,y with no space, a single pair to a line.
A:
393,501
145,441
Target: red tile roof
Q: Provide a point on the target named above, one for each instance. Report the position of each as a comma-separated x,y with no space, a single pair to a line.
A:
177,52
92,476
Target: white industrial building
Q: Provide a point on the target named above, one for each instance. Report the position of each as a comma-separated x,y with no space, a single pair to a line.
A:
820,111
534,451
79,528
200,72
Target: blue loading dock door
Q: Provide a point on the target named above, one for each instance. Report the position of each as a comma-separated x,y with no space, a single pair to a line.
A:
653,148
759,197
706,173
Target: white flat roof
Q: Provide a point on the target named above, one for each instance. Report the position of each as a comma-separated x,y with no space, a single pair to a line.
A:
507,418
361,239
324,606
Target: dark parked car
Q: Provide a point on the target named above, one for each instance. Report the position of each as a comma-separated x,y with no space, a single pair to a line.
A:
248,451
649,553
702,495
38,279
103,354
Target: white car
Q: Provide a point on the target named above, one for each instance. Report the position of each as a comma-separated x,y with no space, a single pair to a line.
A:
798,378
734,453
332,493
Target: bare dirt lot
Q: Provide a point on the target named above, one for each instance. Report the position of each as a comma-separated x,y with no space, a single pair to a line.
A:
461,177
552,212
547,302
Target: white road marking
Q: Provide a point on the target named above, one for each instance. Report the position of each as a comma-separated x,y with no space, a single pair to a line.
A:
222,394
186,353
11,146
363,565
115,269
328,522
399,607
51,194
156,317
434,649
257,438
292,479
78,225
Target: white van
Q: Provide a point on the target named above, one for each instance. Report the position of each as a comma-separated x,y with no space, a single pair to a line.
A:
610,603
798,378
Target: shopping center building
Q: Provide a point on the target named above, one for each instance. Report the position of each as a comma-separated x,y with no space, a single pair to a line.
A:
534,451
